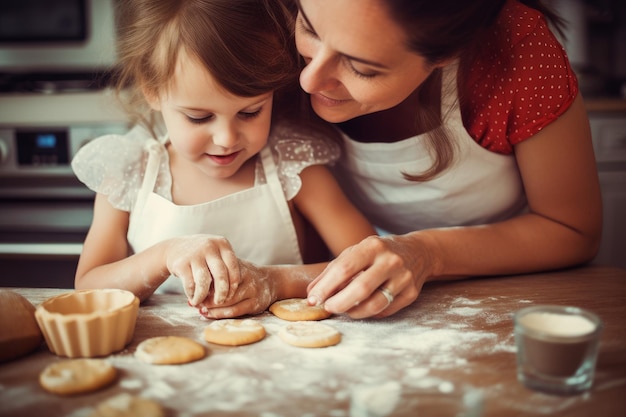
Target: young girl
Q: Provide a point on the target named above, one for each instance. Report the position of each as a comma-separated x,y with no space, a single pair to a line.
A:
208,177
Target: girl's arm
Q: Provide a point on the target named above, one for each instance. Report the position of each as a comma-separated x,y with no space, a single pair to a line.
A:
561,229
324,204
338,222
105,260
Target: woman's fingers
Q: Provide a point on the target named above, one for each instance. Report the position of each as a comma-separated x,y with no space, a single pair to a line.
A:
352,277
337,276
369,279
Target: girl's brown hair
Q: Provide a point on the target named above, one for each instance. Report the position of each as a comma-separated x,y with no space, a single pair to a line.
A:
246,45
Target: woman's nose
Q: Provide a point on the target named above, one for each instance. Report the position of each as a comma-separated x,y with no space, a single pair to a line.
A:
319,73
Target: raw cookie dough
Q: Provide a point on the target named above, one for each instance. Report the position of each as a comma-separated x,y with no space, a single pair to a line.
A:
127,405
19,331
77,376
298,309
310,334
169,350
234,332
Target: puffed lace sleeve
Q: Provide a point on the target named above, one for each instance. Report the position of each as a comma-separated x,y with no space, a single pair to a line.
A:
114,165
295,149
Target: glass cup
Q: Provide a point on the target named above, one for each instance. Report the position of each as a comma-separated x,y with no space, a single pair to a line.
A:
557,348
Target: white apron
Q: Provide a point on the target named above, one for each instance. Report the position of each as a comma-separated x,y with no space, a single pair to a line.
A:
480,187
257,221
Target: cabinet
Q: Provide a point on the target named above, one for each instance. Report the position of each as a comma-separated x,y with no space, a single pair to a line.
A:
609,142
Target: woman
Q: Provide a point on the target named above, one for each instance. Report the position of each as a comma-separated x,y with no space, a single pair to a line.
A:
465,138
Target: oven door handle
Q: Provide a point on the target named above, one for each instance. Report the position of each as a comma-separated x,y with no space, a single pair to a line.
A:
53,250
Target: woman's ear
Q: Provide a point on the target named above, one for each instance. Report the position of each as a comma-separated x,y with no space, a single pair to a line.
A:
445,62
152,99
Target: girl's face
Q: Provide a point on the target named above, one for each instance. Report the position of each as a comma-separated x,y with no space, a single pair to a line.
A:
209,127
357,59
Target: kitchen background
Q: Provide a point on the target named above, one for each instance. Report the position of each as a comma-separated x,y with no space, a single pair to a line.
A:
55,60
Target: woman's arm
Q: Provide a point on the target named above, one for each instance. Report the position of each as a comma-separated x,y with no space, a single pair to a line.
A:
105,260
561,229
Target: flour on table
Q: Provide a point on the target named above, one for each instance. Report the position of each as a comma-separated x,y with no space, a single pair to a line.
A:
412,350
465,311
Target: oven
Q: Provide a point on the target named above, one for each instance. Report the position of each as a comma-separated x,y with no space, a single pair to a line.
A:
55,62
45,212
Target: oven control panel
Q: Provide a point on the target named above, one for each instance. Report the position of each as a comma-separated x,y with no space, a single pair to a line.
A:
41,133
47,150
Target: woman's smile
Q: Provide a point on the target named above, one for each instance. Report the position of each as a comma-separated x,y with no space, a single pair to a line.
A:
326,101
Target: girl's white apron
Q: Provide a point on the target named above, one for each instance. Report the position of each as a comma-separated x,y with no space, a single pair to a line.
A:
256,221
480,187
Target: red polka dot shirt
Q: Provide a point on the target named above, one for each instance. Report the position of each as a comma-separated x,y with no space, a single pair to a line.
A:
521,82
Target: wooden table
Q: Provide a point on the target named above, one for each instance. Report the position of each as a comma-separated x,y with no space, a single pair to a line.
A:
457,332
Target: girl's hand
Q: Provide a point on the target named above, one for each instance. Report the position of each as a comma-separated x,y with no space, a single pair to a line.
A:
376,277
200,260
254,295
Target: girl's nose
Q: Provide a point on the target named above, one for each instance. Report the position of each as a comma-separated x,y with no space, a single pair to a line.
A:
225,135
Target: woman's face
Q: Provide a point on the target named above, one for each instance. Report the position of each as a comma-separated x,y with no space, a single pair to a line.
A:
357,59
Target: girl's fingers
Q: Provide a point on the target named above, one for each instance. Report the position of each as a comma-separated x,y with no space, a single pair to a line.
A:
202,281
220,279
234,272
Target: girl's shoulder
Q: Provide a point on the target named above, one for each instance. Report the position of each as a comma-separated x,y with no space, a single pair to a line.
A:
114,165
519,83
296,147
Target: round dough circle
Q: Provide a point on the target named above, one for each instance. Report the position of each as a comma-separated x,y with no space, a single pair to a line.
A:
310,334
169,350
234,332
127,405
298,309
77,376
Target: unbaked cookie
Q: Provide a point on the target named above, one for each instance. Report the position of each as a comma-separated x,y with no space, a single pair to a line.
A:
169,350
127,405
234,332
77,376
298,309
310,334
19,331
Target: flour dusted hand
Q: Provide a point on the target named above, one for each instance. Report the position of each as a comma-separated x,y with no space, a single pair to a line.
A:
200,260
255,293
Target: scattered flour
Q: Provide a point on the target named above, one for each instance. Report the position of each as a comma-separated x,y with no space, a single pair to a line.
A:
465,311
400,354
413,350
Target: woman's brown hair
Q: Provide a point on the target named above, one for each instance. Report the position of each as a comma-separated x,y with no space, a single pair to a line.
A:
438,31
441,30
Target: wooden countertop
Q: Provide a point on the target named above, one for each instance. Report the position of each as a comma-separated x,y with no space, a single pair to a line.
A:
605,105
459,332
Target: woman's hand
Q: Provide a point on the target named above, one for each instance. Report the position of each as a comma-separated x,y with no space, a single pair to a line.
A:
376,277
200,260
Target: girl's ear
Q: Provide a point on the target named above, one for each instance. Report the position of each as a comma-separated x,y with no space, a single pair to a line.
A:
153,99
